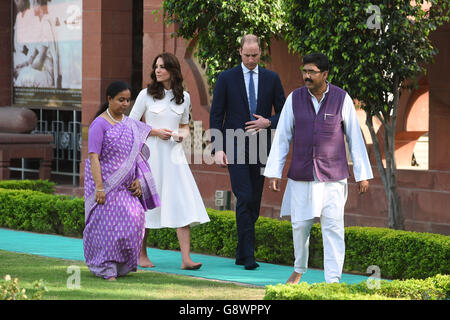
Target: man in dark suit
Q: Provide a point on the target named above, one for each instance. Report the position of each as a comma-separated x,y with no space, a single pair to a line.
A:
241,114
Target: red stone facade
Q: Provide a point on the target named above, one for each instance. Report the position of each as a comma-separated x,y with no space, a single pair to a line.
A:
108,37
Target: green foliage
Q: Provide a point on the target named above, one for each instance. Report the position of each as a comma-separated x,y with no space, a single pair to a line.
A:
40,212
433,288
217,26
44,186
366,58
398,254
10,290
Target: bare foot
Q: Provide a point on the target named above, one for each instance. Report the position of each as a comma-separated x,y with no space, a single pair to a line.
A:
111,279
191,265
144,262
294,278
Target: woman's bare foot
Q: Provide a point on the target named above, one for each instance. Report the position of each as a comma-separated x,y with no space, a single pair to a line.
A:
294,278
144,262
111,279
191,265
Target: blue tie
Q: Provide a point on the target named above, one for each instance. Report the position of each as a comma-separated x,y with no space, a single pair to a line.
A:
251,96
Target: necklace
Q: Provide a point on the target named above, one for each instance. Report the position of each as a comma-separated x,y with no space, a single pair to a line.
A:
109,114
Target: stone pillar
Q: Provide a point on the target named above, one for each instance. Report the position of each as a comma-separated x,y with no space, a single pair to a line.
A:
439,121
107,57
5,53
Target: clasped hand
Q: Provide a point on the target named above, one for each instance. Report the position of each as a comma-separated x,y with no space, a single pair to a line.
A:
135,188
255,126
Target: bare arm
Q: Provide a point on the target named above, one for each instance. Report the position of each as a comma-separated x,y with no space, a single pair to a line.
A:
97,177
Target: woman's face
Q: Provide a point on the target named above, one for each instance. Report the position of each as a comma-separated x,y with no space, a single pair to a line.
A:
120,103
162,75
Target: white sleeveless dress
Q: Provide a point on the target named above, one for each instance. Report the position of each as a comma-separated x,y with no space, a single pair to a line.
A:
181,202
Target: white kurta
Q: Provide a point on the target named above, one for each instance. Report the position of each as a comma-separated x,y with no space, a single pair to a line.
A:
181,202
304,200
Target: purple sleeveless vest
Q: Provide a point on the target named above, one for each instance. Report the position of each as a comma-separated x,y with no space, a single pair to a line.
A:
318,139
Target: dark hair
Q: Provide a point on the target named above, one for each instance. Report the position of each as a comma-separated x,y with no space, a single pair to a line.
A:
113,90
172,65
319,59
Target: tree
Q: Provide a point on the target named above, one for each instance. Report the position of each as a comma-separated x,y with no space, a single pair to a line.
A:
218,26
376,48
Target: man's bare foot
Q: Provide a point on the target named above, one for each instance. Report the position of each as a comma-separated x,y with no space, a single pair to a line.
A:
294,278
191,265
111,279
144,262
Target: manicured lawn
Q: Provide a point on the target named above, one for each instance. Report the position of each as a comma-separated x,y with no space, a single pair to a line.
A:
135,286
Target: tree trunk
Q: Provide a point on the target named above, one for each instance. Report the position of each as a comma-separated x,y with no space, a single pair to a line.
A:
388,173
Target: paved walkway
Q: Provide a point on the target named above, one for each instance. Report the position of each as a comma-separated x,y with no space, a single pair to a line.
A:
167,261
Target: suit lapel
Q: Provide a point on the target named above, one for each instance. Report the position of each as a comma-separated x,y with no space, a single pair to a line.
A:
242,87
261,78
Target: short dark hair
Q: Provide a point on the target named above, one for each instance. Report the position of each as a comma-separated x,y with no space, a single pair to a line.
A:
319,59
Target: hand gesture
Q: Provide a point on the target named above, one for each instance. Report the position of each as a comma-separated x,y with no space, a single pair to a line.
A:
164,134
100,197
135,188
363,186
274,184
220,158
255,126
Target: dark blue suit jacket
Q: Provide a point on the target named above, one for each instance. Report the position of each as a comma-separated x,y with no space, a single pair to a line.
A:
230,108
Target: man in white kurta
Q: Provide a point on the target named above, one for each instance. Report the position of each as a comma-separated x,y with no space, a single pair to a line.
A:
306,200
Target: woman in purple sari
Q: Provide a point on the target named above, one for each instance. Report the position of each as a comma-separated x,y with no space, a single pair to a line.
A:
119,187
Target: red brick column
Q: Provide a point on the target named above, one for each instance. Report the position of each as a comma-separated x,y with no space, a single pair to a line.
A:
107,56
5,53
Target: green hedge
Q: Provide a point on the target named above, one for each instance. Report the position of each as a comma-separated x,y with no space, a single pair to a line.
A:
44,186
398,254
41,212
432,288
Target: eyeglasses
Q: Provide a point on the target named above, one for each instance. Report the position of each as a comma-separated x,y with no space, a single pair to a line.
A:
311,72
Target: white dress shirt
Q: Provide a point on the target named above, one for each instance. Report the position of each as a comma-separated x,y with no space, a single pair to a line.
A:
305,200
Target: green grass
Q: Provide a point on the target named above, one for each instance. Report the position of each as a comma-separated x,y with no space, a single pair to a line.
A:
135,286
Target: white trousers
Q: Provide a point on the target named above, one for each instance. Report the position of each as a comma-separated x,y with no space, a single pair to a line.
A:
333,246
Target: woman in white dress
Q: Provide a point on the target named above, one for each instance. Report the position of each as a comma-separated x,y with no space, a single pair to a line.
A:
164,105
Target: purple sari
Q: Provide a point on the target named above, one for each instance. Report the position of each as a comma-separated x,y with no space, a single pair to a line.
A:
113,232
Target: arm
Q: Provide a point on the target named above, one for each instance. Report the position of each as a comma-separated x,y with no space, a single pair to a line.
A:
278,102
217,113
361,165
280,145
138,110
96,172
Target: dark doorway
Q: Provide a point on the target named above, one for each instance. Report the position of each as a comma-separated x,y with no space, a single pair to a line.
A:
138,33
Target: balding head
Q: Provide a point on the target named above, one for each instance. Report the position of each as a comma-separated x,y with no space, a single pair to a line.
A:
250,38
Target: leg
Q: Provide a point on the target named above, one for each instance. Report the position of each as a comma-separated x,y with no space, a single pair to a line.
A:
184,238
300,235
333,232
333,248
245,217
144,261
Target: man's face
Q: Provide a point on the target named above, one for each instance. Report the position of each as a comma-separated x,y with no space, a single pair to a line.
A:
313,77
250,54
